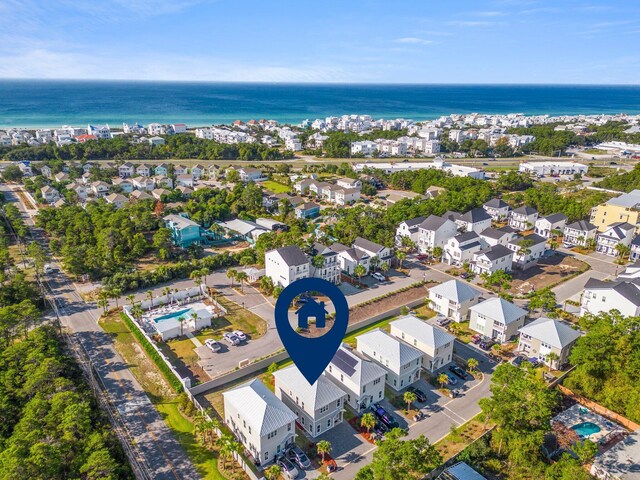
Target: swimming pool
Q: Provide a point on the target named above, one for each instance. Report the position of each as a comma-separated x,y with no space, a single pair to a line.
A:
173,315
586,429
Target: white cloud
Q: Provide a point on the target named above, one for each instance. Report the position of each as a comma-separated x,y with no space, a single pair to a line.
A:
413,40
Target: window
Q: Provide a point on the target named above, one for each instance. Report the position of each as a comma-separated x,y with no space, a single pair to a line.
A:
364,389
329,423
318,429
341,378
289,428
376,381
380,394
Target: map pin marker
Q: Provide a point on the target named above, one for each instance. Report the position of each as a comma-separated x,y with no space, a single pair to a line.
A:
311,355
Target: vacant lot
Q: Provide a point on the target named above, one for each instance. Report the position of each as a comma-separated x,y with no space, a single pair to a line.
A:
549,272
276,187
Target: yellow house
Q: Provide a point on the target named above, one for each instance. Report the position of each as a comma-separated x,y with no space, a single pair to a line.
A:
625,208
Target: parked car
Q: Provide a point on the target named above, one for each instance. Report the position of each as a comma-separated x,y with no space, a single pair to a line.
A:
458,372
487,344
240,334
443,321
214,346
289,470
476,339
420,395
422,256
378,276
296,455
384,416
518,360
48,268
452,380
231,338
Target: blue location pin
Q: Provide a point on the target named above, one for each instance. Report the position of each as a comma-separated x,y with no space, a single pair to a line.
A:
311,355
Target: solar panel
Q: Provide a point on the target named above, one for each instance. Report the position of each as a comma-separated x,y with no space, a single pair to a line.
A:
344,362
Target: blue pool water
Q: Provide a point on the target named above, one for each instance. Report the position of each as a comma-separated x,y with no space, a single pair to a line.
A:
585,429
172,315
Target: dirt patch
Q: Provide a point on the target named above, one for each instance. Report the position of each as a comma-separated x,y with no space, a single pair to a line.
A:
549,272
364,312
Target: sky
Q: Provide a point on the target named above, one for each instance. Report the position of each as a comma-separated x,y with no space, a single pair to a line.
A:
345,41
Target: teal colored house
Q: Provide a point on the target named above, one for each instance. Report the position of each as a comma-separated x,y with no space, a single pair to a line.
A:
307,210
185,231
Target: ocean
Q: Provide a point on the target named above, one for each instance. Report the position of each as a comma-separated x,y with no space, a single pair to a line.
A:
40,103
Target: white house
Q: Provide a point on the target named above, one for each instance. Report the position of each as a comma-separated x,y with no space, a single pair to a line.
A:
527,250
634,255
498,209
349,183
144,170
180,170
553,168
185,179
435,232
498,236
497,319
144,183
286,265
523,218
346,196
126,170
453,299
116,199
546,225
578,233
475,220
492,259
50,194
361,379
401,361
350,258
260,420
318,407
330,270
99,188
435,343
250,174
460,249
372,249
365,148
409,229
545,335
622,294
620,233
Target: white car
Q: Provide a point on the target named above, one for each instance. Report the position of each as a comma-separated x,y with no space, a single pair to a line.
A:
231,338
48,268
214,346
240,334
378,276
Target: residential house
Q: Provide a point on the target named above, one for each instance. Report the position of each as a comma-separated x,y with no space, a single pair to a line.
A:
492,259
307,210
433,191
346,196
162,169
116,199
435,344
475,220
61,177
185,191
622,294
372,249
49,194
245,229
625,208
497,319
46,171
100,189
578,233
139,195
546,226
361,379
498,236
124,183
185,232
179,170
453,299
197,171
79,189
163,181
59,203
435,232
460,471
634,254
185,179
349,183
527,250
330,269
303,185
318,407
144,183
401,361
460,249
286,265
260,421
498,209
350,258
159,192
620,233
630,272
144,170
126,170
546,335
523,218
250,174
409,229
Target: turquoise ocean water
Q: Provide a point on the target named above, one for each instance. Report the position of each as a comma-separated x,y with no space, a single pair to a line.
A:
34,103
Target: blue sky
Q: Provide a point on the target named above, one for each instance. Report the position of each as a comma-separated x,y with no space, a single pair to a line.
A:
410,41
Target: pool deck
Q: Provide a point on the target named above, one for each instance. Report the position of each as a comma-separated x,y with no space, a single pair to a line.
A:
578,414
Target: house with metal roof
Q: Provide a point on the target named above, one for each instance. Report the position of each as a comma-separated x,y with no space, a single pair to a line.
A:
491,260
460,249
401,361
242,229
622,295
547,225
286,265
453,299
460,471
578,233
497,319
361,379
546,335
523,218
318,407
498,209
259,420
625,208
435,344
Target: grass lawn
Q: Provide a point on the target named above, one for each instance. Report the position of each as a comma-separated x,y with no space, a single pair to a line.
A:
462,331
160,394
457,441
276,187
383,324
501,169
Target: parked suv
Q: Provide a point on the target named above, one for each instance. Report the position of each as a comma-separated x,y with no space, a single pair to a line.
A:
231,338
214,346
296,455
384,416
289,470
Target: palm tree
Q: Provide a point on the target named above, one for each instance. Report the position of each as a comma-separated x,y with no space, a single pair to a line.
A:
132,298
374,262
181,321
137,311
384,266
472,364
553,244
524,249
360,271
622,250
324,448
242,277
115,294
273,472
443,379
580,240
552,357
591,244
401,256
368,421
166,291
409,397
234,448
150,298
437,253
224,448
266,284
318,262
231,274
196,276
104,304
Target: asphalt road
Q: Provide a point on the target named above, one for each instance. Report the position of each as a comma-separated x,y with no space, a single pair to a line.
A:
162,454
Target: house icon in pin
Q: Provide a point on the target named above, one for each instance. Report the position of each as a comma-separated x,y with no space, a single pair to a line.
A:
311,310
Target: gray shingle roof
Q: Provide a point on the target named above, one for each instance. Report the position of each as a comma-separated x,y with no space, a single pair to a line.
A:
499,309
422,331
628,289
495,252
414,222
433,222
456,290
493,233
368,245
525,210
321,393
475,215
293,255
496,203
555,333
556,217
259,407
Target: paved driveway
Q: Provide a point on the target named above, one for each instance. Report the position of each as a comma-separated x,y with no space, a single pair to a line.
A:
348,447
